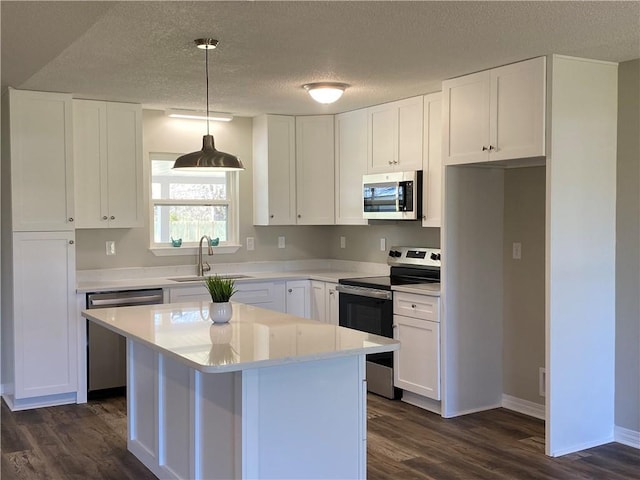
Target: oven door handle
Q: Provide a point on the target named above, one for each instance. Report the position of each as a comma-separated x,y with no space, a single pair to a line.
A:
365,292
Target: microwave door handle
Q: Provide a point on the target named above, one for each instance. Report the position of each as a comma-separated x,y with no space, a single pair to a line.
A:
401,197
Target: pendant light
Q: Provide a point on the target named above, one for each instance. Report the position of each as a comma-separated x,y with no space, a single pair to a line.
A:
208,159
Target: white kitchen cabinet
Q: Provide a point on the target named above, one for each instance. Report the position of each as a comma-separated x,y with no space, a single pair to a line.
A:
274,170
324,302
395,136
44,322
269,295
108,164
432,161
496,114
41,153
298,298
315,170
416,325
351,165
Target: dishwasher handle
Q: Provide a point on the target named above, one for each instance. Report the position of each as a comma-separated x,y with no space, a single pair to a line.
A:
122,299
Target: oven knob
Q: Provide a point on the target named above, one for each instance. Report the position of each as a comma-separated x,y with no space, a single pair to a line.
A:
435,256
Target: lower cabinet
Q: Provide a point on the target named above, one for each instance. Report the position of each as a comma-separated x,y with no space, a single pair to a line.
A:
270,295
298,298
324,302
40,334
416,324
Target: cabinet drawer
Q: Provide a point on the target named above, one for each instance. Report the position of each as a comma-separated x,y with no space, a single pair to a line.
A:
423,307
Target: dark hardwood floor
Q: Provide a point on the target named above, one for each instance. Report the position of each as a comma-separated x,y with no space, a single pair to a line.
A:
404,442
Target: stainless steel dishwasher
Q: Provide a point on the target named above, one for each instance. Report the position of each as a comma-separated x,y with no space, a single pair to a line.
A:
106,350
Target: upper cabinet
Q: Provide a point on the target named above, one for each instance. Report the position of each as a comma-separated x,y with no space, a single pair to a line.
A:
293,170
274,170
432,161
493,115
395,136
351,165
108,166
41,161
315,170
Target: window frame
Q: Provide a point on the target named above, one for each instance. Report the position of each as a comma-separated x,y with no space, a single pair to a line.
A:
231,245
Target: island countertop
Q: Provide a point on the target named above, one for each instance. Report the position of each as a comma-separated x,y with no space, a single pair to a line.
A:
254,338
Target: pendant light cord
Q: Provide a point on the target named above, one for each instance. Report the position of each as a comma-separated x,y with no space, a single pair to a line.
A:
206,63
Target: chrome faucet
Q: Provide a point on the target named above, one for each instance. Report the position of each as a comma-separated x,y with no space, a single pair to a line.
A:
204,266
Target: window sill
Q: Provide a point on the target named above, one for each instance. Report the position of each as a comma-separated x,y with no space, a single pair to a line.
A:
175,251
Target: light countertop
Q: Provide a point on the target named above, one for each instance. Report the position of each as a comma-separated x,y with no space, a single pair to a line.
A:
254,338
103,285
432,289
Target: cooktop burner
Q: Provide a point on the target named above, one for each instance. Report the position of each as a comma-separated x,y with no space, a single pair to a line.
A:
409,266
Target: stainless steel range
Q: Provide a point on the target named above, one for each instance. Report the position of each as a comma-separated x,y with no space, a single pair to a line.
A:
366,304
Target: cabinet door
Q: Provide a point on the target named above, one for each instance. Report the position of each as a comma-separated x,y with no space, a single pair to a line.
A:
315,170
41,161
518,110
274,170
417,363
351,165
45,323
432,161
465,128
318,301
332,308
268,295
90,166
124,165
189,294
298,298
382,152
410,133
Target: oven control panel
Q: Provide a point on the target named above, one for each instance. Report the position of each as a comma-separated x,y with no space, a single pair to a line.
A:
416,256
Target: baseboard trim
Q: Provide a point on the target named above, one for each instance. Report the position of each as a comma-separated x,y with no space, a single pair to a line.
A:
16,405
523,406
581,446
626,436
470,411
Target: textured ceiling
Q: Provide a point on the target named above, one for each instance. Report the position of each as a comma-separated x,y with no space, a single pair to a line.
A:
143,51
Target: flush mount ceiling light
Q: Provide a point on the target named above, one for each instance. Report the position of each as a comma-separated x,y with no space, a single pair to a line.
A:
198,115
325,92
208,159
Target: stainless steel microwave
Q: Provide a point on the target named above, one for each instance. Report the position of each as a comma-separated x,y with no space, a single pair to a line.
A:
392,196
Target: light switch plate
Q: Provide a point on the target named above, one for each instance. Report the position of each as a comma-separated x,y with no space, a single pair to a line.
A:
517,250
280,242
251,243
383,244
111,247
343,242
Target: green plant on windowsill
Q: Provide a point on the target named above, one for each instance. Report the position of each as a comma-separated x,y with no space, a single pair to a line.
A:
220,289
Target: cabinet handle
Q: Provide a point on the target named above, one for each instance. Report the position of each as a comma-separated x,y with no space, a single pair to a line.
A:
271,216
112,217
290,290
105,217
413,305
491,147
70,219
390,162
395,162
71,242
484,149
299,216
331,292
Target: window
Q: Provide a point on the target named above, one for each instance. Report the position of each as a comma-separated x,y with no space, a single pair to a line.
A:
188,205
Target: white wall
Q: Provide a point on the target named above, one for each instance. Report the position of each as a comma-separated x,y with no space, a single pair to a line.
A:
627,413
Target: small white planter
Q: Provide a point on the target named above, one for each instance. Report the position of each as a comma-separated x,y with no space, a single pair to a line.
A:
220,312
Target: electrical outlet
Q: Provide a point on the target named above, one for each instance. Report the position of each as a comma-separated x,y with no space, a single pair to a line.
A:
280,242
343,242
383,244
517,250
542,381
251,243
111,247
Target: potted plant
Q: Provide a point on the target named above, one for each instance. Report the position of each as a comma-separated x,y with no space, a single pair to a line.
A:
221,289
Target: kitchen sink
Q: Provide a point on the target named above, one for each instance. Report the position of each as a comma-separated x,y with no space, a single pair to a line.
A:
200,279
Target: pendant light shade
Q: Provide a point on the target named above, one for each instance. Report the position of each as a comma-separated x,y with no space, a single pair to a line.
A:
208,158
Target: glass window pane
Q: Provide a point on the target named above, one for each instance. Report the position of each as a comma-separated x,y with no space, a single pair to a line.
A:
189,222
177,185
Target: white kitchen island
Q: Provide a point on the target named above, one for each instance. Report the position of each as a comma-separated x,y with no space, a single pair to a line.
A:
269,395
